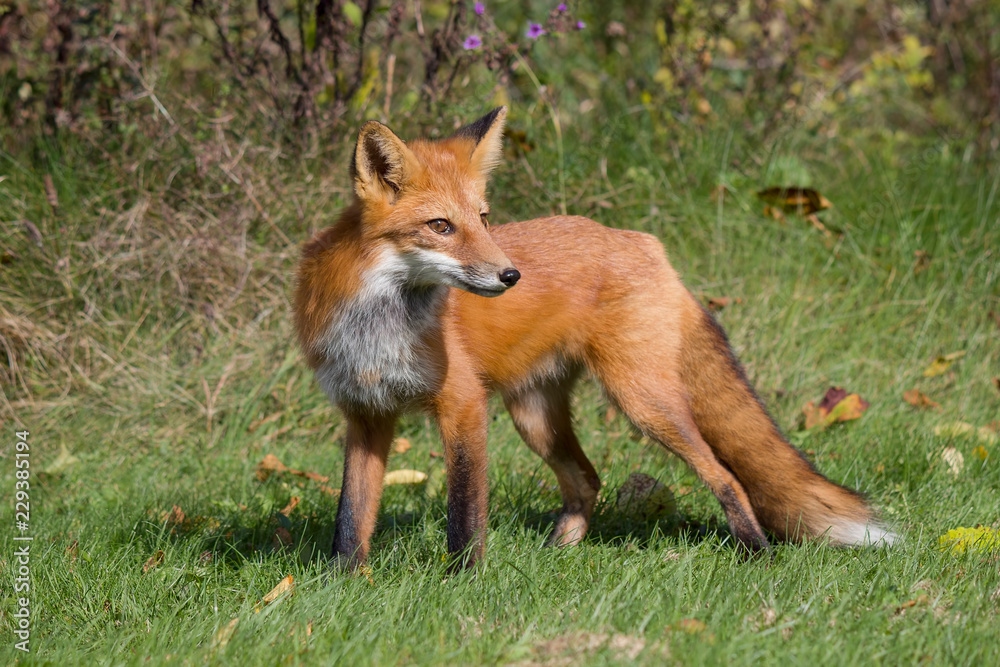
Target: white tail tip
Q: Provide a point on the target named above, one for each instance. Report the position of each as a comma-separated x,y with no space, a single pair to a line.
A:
862,534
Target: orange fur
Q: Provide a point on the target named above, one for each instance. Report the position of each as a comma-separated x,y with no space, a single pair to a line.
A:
392,312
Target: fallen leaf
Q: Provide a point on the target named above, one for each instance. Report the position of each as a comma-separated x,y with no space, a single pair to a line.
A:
920,599
918,399
281,537
62,462
942,364
404,477
50,191
802,201
436,455
837,406
32,231
954,459
290,507
270,465
225,633
960,540
921,260
819,226
285,586
154,561
644,496
692,626
717,303
718,193
981,453
175,515
401,446
966,430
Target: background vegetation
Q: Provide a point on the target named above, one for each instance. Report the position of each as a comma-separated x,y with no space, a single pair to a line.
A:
160,163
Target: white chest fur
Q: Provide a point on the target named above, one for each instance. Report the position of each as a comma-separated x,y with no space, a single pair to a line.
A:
375,355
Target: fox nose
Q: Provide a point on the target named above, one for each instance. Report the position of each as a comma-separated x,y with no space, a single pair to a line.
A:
509,277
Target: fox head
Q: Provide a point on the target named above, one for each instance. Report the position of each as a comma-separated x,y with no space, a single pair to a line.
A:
426,200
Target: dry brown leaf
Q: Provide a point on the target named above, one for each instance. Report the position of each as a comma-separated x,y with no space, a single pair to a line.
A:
837,406
270,465
50,191
921,260
942,364
718,193
154,561
275,416
401,446
285,586
642,495
404,477
717,303
819,226
31,229
175,515
918,399
436,455
802,201
281,537
290,507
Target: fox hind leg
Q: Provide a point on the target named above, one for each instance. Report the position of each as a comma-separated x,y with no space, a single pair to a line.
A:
541,414
655,404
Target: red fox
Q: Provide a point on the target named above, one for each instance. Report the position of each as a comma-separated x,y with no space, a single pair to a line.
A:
412,301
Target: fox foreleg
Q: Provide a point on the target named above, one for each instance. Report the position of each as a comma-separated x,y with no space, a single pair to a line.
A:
368,441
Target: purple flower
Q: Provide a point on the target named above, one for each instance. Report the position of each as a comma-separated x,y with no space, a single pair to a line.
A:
535,31
561,7
479,8
472,42
580,25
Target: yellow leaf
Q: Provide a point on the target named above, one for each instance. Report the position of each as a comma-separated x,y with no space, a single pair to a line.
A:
404,477
401,446
942,364
981,453
285,586
960,540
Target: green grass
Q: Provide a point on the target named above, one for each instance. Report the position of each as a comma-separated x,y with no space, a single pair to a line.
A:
160,355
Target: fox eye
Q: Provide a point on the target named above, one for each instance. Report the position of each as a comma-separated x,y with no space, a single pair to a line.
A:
440,226
486,223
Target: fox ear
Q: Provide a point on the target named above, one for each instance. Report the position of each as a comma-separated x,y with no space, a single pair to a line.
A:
487,133
381,164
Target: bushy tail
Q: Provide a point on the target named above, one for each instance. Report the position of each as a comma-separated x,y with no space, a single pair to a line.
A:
789,497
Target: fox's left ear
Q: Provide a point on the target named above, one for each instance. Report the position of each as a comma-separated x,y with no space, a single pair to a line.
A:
487,133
